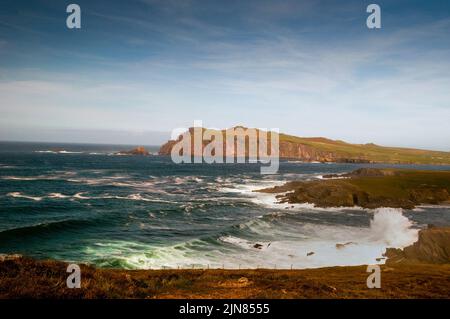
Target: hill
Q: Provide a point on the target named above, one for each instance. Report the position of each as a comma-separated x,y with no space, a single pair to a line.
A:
320,149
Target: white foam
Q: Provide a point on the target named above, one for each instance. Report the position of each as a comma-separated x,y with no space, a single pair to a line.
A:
389,228
58,152
19,178
57,195
392,228
80,196
69,152
3,166
20,195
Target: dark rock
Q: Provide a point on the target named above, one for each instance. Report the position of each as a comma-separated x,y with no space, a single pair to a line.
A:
137,151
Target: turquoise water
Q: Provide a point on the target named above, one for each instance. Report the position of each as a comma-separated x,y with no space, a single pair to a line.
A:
82,203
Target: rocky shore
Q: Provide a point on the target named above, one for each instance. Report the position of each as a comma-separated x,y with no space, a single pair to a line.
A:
432,247
369,188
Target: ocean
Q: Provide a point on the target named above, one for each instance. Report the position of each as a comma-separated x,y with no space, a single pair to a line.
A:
84,204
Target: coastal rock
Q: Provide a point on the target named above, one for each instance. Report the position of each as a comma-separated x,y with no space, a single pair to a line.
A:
432,247
370,188
340,246
136,151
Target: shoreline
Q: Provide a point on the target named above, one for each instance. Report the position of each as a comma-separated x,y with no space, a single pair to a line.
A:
421,270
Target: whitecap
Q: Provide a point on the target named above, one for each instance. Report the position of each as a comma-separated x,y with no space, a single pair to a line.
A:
20,195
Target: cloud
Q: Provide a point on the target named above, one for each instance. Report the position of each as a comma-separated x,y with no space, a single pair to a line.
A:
364,86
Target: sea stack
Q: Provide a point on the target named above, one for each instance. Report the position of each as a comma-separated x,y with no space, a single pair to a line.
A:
136,151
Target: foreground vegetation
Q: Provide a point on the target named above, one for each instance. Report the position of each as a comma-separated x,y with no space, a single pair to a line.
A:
27,278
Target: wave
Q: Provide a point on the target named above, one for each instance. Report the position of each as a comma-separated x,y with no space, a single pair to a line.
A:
262,242
80,196
57,195
20,195
43,228
20,178
134,255
4,166
59,152
391,227
58,176
84,196
243,243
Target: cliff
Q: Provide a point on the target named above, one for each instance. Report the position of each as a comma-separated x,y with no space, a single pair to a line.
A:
432,247
319,149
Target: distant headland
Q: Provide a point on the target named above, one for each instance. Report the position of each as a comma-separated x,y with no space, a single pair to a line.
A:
324,150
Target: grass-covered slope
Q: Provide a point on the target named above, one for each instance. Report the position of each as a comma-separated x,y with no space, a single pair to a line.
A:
325,150
370,152
370,188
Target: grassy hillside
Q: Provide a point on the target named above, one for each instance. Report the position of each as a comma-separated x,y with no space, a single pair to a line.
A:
372,152
371,188
326,150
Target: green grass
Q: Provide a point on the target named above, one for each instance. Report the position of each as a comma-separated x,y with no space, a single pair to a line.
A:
371,151
400,184
371,188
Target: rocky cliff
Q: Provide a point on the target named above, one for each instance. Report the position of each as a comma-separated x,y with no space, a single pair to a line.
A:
432,247
319,149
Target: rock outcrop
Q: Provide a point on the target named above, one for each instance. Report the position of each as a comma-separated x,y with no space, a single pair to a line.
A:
432,247
369,188
137,151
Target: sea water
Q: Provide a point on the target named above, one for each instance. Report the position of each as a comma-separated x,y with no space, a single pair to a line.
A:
82,203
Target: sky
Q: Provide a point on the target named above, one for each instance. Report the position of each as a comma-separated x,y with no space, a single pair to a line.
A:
138,69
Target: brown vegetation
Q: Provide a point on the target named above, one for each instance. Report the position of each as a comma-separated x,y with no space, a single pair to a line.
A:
27,278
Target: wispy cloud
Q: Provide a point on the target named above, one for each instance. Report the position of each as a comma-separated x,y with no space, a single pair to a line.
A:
265,69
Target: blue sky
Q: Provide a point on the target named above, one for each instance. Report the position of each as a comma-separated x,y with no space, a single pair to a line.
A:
139,68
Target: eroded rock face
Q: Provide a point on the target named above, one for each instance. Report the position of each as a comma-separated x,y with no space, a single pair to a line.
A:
305,153
433,247
287,150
